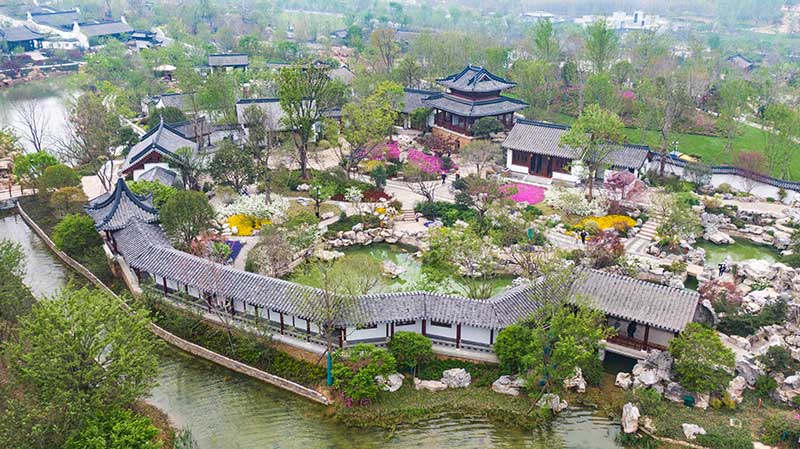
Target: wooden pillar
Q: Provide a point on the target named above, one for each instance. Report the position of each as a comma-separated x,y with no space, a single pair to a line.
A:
491,336
282,325
423,328
308,330
165,285
646,336
268,318
387,330
458,336
231,308
341,340
392,332
138,274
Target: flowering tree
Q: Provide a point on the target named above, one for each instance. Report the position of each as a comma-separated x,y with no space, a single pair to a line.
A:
753,162
421,170
720,293
623,186
255,206
605,249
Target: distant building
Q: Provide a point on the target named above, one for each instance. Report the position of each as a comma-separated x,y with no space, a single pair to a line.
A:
472,94
172,100
140,39
158,147
62,20
620,20
343,74
415,99
228,61
21,37
95,31
741,63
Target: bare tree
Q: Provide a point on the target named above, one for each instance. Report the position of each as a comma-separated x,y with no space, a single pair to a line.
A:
481,153
36,122
421,183
262,142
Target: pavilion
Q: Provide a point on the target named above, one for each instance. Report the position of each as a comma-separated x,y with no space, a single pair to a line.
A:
472,94
158,147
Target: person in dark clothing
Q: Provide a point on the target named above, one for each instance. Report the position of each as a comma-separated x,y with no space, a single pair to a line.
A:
722,269
458,175
444,176
632,329
584,234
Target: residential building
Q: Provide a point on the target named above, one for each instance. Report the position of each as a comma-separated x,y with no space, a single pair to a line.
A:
472,94
21,37
228,61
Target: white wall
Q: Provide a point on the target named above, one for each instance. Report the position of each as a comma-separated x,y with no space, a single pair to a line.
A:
416,326
475,334
437,331
354,334
512,167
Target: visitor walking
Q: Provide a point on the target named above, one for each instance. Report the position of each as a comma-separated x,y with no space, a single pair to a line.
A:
444,176
458,175
723,267
584,234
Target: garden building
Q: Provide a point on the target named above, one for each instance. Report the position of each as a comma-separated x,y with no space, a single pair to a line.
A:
472,94
414,99
647,315
158,147
95,32
228,61
21,37
534,148
60,20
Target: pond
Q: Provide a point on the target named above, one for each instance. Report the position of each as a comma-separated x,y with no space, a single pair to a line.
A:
49,98
44,274
402,256
739,251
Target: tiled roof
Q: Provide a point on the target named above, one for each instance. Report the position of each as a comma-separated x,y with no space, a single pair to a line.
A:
145,249
545,139
173,100
112,211
634,300
467,108
414,99
19,34
163,139
343,74
58,19
228,60
159,174
475,79
274,114
105,28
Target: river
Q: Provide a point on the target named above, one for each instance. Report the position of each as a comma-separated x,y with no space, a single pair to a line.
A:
224,410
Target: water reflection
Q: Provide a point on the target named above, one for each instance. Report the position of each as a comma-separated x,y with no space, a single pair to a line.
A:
44,274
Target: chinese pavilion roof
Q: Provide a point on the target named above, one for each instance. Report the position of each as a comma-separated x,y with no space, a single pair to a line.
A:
474,108
475,79
162,139
112,211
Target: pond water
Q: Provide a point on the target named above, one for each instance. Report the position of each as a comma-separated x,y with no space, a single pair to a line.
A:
739,251
50,98
44,274
403,257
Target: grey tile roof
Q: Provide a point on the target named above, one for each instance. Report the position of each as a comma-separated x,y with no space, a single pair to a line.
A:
414,99
468,108
57,19
228,60
174,100
634,300
105,28
112,211
159,174
163,139
545,139
145,249
20,34
475,79
343,74
271,107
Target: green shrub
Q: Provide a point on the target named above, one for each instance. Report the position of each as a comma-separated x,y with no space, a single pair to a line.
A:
636,440
649,401
445,211
724,188
369,221
161,193
745,324
677,266
780,428
592,227
796,401
726,438
483,374
765,385
115,429
510,346
777,359
410,350
793,260
58,176
76,235
354,370
301,218
686,198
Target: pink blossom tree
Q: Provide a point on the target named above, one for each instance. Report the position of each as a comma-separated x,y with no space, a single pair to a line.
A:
623,186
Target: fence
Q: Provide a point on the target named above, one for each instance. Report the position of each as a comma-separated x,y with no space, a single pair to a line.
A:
172,339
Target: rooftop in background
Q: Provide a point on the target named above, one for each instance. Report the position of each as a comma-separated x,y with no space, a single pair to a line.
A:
414,99
55,18
475,79
20,34
112,211
474,108
162,139
99,29
545,138
228,60
159,174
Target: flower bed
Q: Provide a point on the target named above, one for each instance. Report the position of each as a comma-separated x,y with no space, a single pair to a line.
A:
370,196
620,223
245,225
527,193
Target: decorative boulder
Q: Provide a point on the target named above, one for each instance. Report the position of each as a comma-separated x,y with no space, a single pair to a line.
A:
630,418
324,255
430,385
391,269
736,388
747,368
552,402
303,187
648,378
675,392
690,431
646,423
456,378
576,382
623,380
327,215
509,385
391,383
358,227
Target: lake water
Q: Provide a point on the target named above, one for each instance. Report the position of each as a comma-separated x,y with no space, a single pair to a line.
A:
739,251
51,99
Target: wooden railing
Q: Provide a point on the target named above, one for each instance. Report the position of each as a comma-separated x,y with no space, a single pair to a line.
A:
635,343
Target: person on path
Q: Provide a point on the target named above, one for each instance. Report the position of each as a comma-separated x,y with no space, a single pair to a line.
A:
458,175
444,176
723,267
584,234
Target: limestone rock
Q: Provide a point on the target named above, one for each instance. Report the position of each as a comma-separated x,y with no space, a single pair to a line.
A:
718,238
456,378
358,227
623,380
322,254
646,423
756,269
552,402
747,368
391,269
675,392
736,388
303,187
509,385
576,382
690,431
391,383
429,385
630,418
327,215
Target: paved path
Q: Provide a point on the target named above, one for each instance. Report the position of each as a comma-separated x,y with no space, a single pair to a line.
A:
758,206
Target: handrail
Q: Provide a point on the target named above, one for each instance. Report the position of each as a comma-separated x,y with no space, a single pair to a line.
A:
731,170
173,339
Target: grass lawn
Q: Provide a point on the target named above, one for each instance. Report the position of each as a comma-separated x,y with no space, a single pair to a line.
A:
295,208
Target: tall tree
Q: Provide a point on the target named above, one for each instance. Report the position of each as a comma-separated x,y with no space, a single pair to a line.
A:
37,125
367,122
781,142
409,72
384,41
601,45
733,95
261,142
232,166
663,101
305,93
545,42
537,83
186,215
596,134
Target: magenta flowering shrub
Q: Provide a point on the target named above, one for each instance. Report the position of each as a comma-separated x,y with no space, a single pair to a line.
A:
429,164
390,152
526,193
